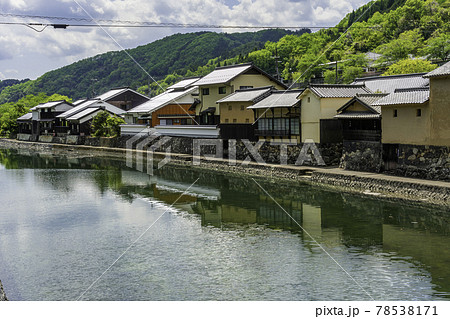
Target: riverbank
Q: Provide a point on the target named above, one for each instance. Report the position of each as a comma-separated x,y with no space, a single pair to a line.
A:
366,184
2,293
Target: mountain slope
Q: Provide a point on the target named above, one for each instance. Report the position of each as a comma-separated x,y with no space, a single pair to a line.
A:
177,53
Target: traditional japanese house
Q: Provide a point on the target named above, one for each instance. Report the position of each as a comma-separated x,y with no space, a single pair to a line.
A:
361,120
236,121
44,117
176,106
80,123
318,108
25,124
440,105
123,98
224,81
277,116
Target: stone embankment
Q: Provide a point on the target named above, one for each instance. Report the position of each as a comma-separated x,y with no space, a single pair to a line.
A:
2,293
365,183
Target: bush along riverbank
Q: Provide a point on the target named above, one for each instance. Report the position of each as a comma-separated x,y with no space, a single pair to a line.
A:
2,293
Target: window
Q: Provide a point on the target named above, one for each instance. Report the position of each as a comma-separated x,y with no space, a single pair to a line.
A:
419,112
227,120
176,121
242,108
247,120
205,91
230,107
223,90
245,87
309,99
395,113
234,120
295,126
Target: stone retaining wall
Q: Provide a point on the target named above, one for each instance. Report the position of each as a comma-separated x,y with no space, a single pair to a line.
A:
2,293
362,156
423,161
386,187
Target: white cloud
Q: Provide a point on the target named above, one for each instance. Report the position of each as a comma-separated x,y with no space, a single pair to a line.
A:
71,44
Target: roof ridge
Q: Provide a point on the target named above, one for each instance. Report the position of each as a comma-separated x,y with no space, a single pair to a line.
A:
254,89
337,85
411,89
382,77
233,66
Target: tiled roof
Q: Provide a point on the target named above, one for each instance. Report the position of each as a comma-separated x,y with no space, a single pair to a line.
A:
405,96
159,101
183,84
387,84
358,115
48,105
26,117
337,90
443,70
278,99
114,92
95,108
224,74
247,95
80,107
367,100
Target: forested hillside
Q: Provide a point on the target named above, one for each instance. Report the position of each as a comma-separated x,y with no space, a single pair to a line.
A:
177,53
409,35
402,31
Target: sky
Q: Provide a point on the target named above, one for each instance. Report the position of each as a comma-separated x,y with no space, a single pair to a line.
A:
26,53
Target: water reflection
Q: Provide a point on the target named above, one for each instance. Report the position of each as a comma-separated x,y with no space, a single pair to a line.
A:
338,221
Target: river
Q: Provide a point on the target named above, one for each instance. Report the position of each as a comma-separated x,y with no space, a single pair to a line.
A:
94,229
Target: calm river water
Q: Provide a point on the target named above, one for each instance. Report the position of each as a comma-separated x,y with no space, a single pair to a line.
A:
64,221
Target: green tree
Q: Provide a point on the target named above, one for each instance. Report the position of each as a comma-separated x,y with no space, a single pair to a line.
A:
410,66
98,124
409,42
438,47
113,124
105,124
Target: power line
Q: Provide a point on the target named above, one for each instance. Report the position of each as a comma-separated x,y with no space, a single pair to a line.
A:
146,24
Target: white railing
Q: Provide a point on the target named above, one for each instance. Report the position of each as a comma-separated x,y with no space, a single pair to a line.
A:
204,131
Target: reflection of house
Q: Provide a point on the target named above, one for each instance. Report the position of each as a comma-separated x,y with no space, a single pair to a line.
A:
236,121
277,116
318,108
44,117
224,81
77,121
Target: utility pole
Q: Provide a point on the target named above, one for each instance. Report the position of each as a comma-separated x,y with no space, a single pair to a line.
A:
276,57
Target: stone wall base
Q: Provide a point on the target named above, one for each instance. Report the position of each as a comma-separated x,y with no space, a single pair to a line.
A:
362,156
423,161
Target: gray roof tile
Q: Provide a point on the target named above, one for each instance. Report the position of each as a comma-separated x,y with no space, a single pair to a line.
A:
183,84
278,99
387,84
405,96
443,70
248,95
337,90
223,74
159,101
